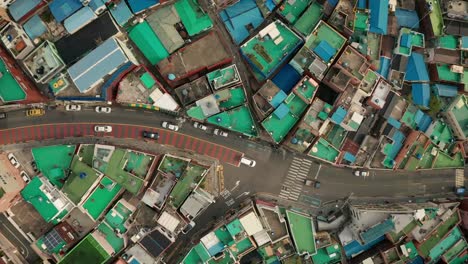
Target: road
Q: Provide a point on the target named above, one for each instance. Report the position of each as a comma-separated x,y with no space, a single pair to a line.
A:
12,234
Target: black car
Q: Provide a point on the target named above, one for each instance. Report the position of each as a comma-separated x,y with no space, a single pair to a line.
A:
34,166
2,115
151,135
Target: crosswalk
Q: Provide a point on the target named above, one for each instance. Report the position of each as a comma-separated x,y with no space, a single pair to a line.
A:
297,173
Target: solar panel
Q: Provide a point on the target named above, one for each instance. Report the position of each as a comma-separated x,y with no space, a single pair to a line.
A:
52,239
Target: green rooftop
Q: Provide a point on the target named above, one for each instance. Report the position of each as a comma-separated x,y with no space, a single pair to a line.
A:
193,16
148,42
448,42
117,217
113,239
292,10
185,184
416,40
452,238
239,119
459,110
87,251
223,77
445,74
302,232
439,233
324,32
225,259
33,194
234,227
198,254
443,160
361,21
241,247
173,165
324,150
235,98
266,54
277,127
435,15
100,198
455,250
441,133
80,180
224,236
328,255
309,19
52,161
306,89
10,90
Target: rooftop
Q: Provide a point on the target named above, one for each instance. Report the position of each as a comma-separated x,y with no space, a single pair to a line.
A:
191,177
302,232
266,51
194,18
309,19
164,24
198,254
52,161
148,42
80,180
435,15
239,119
328,255
459,109
292,10
324,40
224,77
322,149
89,250
173,165
10,90
241,18
100,198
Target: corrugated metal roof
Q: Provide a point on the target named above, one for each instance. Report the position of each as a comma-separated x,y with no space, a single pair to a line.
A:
324,50
79,19
421,93
416,69
445,90
149,44
100,62
20,8
407,18
193,17
378,16
138,6
61,9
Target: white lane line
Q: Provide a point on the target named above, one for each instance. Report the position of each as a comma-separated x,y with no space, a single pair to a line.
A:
318,170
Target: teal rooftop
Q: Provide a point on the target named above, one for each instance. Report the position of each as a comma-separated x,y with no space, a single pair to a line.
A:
224,77
239,119
325,36
302,232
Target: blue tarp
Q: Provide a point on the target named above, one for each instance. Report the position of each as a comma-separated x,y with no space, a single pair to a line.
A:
61,9
405,40
121,13
339,115
20,8
286,78
384,66
138,6
240,15
349,157
416,69
407,18
392,121
281,111
445,90
79,19
100,62
324,50
34,27
378,16
421,93
355,248
278,98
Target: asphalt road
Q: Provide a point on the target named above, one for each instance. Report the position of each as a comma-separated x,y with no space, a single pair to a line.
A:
12,234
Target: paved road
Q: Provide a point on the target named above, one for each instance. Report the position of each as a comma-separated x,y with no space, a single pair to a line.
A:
12,234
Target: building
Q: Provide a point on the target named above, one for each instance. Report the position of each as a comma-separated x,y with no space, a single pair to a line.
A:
107,57
79,19
156,242
44,63
16,41
456,114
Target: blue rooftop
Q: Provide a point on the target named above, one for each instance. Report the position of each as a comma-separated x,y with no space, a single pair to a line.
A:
421,94
278,99
97,4
464,42
445,90
378,16
34,27
416,69
20,8
138,6
384,66
362,4
325,51
286,78
377,231
422,121
121,13
405,40
79,19
281,111
237,17
355,247
349,157
407,18
339,115
97,64
395,123
61,9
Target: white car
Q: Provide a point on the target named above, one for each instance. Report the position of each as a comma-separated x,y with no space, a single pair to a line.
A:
200,126
219,132
13,160
105,129
25,176
73,107
170,126
360,173
103,109
248,162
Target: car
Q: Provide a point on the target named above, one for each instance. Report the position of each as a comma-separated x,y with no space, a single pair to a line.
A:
103,109
219,132
103,128
188,227
3,115
170,126
13,160
25,176
248,162
71,107
150,135
361,173
34,166
315,184
200,126
35,112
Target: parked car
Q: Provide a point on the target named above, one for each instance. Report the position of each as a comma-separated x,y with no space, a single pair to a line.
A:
248,162
150,135
3,115
34,166
105,129
35,112
25,176
13,160
361,173
103,109
72,107
200,126
170,126
219,132
315,184
188,227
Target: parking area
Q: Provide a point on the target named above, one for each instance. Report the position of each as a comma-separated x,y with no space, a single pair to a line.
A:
28,219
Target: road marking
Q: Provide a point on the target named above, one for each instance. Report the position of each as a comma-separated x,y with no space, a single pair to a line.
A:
318,171
24,248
